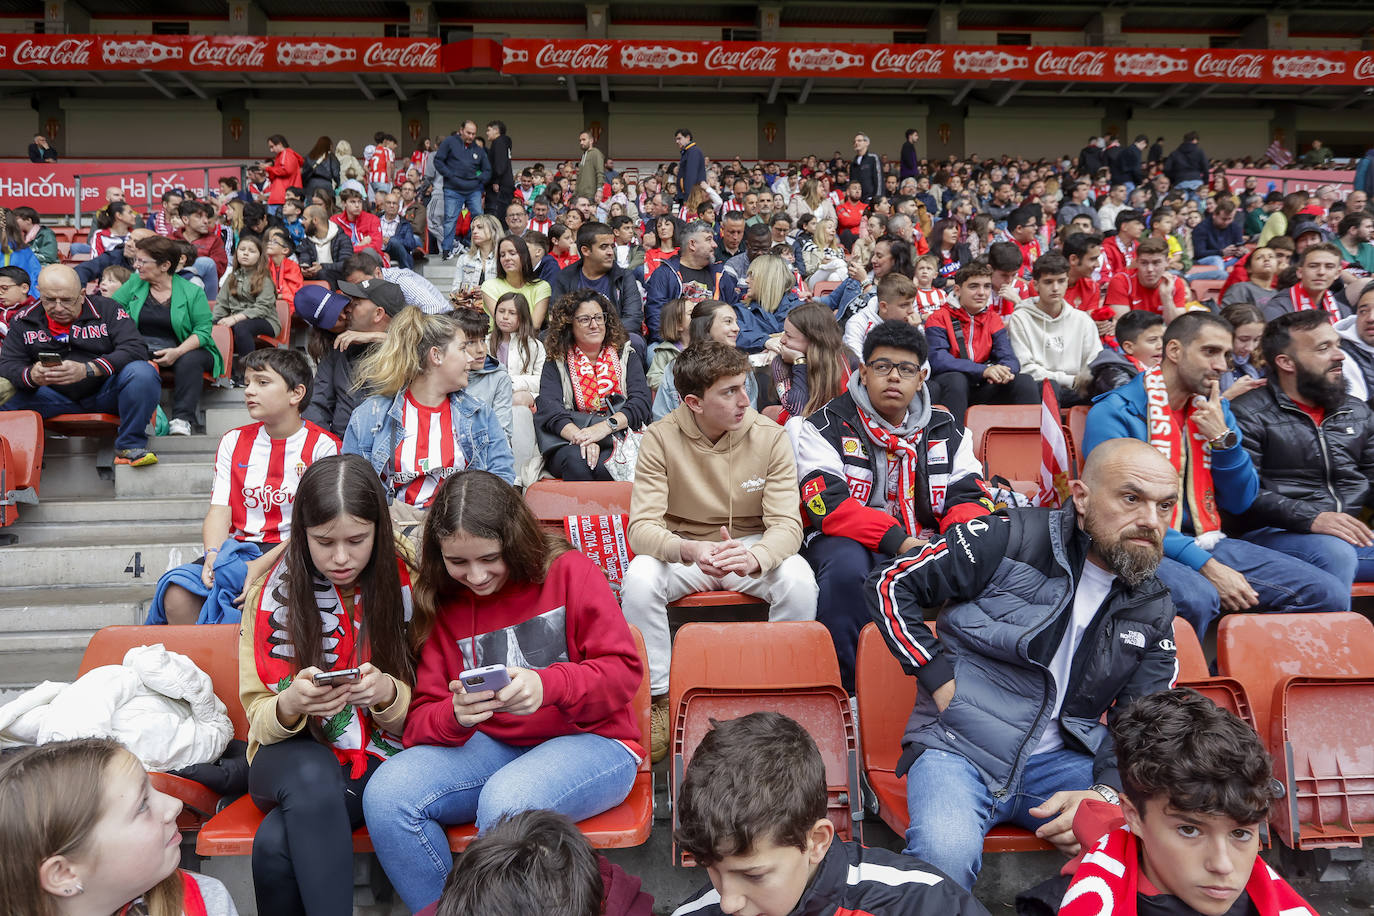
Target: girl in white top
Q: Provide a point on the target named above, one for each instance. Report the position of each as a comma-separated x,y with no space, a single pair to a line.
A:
477,263
514,344
83,832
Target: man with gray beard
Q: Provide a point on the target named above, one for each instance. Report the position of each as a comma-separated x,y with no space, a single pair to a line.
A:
1048,618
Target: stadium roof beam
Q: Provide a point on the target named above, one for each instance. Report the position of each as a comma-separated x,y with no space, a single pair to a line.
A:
805,91
572,88
189,84
364,88
148,77
963,92
1348,101
773,91
1011,91
605,90
1168,94
1201,94
395,87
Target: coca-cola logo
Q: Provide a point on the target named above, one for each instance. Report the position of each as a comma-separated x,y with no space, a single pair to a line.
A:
242,54
1364,68
1080,63
925,62
316,53
1306,67
655,57
266,497
824,60
588,56
139,52
1231,67
415,55
1147,63
71,52
750,60
988,61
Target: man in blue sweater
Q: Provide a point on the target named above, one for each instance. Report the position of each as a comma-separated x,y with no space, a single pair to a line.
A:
1177,408
1219,241
691,165
465,169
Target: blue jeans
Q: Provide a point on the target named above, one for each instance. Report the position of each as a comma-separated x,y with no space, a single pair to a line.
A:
133,394
1284,584
841,565
422,789
1190,188
951,809
209,275
1345,561
454,201
1218,271
399,254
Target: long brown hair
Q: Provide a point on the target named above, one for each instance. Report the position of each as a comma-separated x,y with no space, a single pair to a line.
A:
559,339
261,273
827,359
51,799
332,487
482,505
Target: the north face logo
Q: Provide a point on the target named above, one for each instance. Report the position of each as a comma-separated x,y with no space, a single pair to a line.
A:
1133,638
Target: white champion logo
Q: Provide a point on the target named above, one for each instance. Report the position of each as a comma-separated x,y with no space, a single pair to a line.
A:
752,485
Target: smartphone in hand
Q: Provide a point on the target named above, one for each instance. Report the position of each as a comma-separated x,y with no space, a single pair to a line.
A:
491,677
334,678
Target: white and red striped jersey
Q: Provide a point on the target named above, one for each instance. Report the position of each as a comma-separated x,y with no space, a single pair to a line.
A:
256,477
427,454
379,166
103,240
732,205
928,302
541,225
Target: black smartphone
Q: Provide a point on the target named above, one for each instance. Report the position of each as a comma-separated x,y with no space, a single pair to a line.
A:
342,676
50,357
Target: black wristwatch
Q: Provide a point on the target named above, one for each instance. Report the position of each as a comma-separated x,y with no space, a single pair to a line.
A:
90,370
1109,795
1226,440
613,423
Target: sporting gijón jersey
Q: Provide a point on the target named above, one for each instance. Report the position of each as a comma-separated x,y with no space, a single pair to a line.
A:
427,453
256,477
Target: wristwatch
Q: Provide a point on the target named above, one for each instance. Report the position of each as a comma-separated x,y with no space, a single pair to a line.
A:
1109,795
1226,440
90,370
613,423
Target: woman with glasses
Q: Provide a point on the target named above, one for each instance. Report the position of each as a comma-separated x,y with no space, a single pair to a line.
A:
593,385
175,320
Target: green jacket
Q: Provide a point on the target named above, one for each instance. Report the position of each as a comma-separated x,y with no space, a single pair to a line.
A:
237,296
190,312
44,246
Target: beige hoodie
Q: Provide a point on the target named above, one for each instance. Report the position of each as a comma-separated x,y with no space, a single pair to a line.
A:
685,487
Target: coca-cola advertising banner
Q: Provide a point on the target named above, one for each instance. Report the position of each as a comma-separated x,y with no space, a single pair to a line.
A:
947,62
229,53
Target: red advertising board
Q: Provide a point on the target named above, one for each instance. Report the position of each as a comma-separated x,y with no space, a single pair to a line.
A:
230,53
1286,180
944,62
50,187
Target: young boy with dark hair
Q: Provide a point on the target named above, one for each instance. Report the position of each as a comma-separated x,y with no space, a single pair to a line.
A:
14,295
537,862
752,810
1196,792
257,469
1140,344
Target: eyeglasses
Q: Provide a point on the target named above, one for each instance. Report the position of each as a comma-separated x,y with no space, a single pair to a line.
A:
144,262
588,320
883,368
60,300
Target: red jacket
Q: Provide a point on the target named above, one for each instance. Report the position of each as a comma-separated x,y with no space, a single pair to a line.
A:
285,172
569,628
367,225
209,246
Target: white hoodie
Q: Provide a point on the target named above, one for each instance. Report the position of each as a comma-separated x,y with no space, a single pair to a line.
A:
1356,384
323,252
1057,348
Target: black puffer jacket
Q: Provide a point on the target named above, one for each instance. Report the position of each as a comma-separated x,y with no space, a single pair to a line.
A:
1305,470
1006,586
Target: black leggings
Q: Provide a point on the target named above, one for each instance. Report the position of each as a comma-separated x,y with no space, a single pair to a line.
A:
188,380
245,341
303,852
566,463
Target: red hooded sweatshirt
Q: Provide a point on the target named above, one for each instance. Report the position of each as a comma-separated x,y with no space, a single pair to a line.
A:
285,171
569,629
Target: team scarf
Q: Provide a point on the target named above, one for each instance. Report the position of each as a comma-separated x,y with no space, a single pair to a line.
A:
603,539
1107,883
1302,302
908,466
1191,459
592,382
1127,257
351,732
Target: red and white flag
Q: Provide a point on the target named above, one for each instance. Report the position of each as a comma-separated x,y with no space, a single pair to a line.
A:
1054,453
1278,155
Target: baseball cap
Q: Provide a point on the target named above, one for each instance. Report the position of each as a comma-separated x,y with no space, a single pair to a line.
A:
382,292
319,306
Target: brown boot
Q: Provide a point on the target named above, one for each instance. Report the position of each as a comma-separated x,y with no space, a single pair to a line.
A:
660,726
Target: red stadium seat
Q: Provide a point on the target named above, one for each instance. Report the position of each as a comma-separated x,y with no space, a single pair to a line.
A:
23,431
982,417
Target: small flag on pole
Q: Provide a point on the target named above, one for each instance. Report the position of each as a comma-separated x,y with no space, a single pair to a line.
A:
1278,155
1054,452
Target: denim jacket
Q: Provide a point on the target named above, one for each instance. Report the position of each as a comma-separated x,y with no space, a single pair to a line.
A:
372,430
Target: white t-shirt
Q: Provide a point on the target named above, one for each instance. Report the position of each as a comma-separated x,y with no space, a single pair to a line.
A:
1093,586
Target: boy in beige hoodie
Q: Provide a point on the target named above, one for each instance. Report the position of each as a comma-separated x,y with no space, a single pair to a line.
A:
714,507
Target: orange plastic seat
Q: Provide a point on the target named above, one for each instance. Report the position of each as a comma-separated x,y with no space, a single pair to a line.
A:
23,431
1016,453
230,832
1078,425
224,342
983,417
283,337
824,288
1226,692
1362,590
886,695
83,424
1192,662
552,501
723,671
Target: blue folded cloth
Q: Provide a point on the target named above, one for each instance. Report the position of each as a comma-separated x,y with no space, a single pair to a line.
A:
231,566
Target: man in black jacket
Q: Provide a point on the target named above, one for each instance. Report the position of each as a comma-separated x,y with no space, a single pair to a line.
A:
867,170
597,270
1126,168
1313,446
1048,619
1187,165
75,353
501,189
1091,158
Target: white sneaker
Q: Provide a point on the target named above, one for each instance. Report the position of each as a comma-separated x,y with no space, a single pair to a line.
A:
179,428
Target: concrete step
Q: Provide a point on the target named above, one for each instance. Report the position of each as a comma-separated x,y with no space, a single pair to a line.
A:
175,509
73,475
44,631
184,445
174,475
58,534
135,556
219,420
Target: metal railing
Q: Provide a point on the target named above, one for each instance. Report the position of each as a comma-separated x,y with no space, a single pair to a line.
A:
154,192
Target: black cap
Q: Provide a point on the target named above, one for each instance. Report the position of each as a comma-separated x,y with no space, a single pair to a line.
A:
381,292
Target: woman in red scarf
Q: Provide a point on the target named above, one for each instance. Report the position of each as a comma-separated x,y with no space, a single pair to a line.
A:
337,601
593,385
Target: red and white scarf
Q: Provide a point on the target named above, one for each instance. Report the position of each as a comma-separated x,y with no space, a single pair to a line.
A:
351,733
1108,881
907,459
1302,302
602,537
594,383
1187,450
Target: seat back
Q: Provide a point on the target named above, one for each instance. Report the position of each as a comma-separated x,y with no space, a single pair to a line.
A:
1078,425
1011,453
824,288
552,501
213,647
983,417
1260,650
1192,662
885,695
9,514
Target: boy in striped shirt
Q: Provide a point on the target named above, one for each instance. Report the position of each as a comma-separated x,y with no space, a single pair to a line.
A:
257,470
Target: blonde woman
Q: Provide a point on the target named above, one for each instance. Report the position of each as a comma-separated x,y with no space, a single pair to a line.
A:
420,426
477,263
812,200
823,256
767,297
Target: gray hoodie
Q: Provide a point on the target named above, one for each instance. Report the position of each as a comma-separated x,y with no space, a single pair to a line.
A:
1359,384
491,384
917,418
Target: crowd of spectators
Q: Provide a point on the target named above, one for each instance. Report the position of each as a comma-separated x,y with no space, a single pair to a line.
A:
781,359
